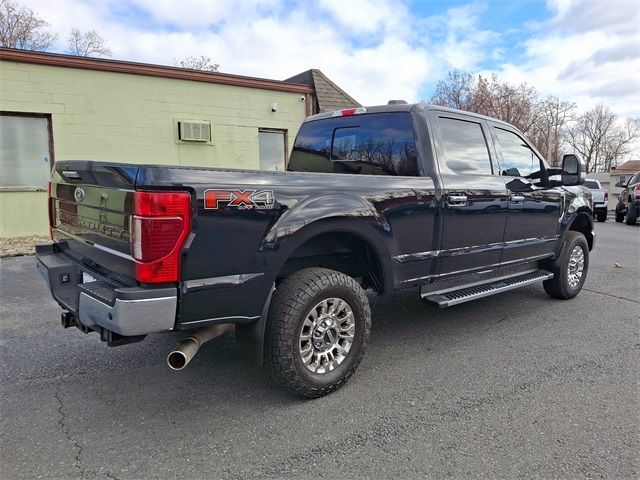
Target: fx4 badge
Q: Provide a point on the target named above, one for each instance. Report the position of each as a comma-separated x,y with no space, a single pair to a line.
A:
242,199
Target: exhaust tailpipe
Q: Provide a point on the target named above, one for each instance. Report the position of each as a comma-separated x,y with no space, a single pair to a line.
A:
180,356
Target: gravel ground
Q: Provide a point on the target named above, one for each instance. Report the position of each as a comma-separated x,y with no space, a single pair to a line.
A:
20,246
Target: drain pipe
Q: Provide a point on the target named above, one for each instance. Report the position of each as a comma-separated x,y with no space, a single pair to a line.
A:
180,356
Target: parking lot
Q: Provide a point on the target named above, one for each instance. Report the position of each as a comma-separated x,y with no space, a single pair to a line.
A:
514,385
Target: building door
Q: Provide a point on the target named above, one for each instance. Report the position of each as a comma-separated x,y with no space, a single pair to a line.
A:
273,149
26,151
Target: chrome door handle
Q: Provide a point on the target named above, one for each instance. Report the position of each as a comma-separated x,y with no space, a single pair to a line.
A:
516,198
457,200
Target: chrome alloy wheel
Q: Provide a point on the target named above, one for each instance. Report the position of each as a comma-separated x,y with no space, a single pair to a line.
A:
326,335
576,266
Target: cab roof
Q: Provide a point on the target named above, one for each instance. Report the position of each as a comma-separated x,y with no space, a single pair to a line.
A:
405,107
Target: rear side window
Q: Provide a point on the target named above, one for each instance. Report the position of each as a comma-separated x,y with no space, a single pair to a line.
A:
464,146
374,144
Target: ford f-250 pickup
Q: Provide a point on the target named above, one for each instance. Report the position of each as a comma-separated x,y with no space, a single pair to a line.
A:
455,205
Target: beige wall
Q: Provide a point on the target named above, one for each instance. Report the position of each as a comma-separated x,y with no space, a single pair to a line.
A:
131,118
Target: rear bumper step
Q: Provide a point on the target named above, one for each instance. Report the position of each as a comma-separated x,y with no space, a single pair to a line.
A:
98,306
472,293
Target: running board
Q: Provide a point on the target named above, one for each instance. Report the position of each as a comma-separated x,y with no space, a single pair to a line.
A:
471,293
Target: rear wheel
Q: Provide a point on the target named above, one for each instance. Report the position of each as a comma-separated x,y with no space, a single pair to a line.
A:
317,331
570,268
601,216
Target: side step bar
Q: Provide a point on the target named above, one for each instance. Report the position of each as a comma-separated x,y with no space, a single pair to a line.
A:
471,293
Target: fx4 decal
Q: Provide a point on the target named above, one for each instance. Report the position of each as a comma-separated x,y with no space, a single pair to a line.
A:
242,199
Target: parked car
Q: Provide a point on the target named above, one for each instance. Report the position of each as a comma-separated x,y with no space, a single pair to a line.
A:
629,200
600,199
455,205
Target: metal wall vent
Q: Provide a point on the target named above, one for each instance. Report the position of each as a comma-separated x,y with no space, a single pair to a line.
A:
194,131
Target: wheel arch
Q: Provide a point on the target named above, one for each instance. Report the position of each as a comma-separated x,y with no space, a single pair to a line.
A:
336,248
582,222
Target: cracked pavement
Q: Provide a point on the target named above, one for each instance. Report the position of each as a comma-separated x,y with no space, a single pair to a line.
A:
511,386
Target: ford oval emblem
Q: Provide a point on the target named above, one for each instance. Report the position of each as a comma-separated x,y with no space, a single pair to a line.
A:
79,194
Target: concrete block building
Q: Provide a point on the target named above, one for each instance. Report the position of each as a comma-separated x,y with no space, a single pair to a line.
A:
59,107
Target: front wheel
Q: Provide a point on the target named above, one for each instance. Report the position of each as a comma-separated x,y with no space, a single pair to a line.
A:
619,214
317,331
570,268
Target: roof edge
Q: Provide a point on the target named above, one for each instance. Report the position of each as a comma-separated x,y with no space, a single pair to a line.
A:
136,68
334,85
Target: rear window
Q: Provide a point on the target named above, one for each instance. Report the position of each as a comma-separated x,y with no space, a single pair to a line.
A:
592,184
374,144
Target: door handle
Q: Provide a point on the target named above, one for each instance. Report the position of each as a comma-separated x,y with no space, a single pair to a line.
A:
516,198
457,200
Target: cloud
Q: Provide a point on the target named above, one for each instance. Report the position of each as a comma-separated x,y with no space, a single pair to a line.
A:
376,50
584,54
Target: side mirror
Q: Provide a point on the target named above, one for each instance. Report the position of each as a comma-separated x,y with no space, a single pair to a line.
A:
621,185
574,170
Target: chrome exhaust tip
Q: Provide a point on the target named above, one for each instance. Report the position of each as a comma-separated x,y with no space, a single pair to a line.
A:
180,356
183,353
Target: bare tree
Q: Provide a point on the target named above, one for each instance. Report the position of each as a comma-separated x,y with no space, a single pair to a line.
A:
549,131
87,44
489,96
21,28
197,63
600,139
457,91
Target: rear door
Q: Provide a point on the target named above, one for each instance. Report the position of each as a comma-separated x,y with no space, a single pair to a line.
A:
533,221
474,198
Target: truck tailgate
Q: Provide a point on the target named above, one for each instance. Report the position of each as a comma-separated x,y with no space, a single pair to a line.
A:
91,206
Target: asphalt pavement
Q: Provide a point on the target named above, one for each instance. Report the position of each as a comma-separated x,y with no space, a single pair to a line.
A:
517,385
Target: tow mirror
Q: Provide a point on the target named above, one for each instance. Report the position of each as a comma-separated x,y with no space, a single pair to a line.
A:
574,170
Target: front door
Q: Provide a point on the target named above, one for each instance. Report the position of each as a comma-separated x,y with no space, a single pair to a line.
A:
474,200
534,210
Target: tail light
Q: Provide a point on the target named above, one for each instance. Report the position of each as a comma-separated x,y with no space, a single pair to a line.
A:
636,191
51,211
606,196
160,225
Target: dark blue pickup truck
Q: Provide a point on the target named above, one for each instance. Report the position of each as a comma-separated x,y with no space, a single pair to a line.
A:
455,205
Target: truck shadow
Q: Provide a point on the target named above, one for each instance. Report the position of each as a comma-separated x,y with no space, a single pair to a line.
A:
222,375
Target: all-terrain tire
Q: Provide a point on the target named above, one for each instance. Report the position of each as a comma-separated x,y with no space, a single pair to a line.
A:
292,304
559,286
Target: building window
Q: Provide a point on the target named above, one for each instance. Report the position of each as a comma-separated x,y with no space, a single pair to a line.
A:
26,150
273,149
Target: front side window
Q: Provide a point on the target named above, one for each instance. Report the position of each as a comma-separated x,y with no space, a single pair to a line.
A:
518,160
464,146
25,150
374,144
